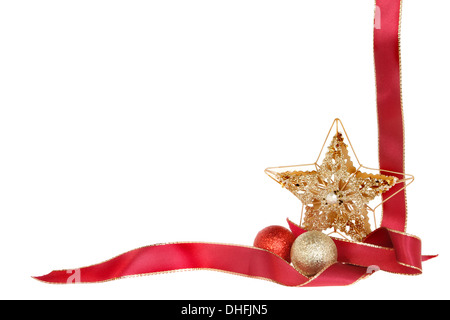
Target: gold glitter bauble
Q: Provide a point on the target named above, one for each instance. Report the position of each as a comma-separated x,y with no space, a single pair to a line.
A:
312,251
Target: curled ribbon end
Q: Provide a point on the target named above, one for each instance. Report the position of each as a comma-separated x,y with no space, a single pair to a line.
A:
60,277
428,257
43,278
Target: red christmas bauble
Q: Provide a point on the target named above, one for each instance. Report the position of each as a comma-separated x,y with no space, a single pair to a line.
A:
276,239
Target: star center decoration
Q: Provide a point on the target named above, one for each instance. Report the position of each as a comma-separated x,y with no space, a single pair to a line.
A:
335,195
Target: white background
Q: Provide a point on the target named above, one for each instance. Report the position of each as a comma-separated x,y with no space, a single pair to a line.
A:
129,123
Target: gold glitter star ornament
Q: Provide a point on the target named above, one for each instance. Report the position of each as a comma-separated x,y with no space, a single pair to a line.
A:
335,194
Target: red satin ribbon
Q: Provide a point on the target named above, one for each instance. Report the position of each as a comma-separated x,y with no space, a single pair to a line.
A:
389,107
388,248
240,260
383,250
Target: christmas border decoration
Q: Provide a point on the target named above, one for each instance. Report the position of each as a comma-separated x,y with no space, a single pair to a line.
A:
301,256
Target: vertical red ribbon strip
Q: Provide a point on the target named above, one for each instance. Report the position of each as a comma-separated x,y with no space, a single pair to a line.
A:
389,106
387,248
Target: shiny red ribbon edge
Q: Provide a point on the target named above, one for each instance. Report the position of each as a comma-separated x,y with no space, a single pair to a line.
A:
388,248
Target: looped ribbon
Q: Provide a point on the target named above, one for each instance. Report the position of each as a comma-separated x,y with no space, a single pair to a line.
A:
388,248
